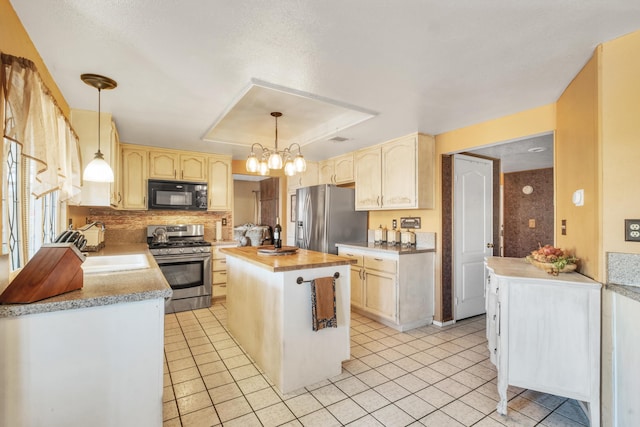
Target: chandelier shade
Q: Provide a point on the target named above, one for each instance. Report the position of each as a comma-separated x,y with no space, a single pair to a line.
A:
275,159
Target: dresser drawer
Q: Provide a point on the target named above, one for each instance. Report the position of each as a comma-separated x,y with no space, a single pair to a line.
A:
380,264
219,291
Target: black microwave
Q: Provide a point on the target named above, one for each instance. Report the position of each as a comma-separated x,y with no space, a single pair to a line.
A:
176,195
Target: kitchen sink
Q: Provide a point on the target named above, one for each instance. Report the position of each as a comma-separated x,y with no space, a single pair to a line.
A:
108,263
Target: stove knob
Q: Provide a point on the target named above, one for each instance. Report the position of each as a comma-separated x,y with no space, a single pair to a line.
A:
181,250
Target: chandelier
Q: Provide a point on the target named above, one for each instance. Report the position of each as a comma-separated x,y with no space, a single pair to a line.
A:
275,159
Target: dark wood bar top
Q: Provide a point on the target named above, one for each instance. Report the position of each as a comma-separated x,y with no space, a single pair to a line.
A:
302,259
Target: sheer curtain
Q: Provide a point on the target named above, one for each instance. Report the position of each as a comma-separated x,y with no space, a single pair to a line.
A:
41,166
32,119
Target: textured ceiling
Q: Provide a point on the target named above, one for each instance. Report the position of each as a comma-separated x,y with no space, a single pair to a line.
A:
418,65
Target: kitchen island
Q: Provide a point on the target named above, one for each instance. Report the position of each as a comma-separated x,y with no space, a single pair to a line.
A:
92,356
269,314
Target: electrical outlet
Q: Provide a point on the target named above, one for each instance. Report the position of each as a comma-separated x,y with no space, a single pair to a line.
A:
632,230
532,223
563,227
394,224
224,221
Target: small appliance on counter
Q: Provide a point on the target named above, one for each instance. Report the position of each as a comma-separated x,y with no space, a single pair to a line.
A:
184,257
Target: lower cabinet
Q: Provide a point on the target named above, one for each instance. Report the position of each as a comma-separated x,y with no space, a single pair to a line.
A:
392,288
543,332
219,271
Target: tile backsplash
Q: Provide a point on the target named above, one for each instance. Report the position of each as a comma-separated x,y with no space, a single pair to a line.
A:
131,226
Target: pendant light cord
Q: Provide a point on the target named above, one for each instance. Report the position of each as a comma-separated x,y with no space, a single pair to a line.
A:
99,90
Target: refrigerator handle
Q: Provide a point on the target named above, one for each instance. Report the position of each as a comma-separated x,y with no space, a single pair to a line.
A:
307,220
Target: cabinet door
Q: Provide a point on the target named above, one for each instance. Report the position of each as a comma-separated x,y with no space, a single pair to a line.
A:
220,184
193,168
310,176
357,288
343,169
399,174
134,178
491,301
367,177
380,293
163,165
326,172
115,194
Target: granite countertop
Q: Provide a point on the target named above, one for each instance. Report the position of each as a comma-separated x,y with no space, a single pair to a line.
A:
302,259
628,291
101,289
399,250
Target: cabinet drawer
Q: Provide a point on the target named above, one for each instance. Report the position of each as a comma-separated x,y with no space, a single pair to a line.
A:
219,264
219,291
219,277
348,254
380,264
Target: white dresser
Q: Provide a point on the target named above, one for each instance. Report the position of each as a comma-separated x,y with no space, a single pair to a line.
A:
543,332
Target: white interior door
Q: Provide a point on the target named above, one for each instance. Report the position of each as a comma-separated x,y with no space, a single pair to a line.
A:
472,232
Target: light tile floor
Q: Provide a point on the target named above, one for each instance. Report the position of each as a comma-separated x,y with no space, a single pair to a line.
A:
427,376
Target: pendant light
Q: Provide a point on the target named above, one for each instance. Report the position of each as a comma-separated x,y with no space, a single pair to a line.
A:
275,159
98,170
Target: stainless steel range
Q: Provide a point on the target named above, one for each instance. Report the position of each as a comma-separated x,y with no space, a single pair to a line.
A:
185,260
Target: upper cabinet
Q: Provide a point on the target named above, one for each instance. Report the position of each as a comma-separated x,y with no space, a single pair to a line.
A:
220,184
116,163
171,165
337,170
134,178
396,175
85,124
305,179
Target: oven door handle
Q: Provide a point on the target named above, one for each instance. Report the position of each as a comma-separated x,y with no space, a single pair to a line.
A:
186,285
172,259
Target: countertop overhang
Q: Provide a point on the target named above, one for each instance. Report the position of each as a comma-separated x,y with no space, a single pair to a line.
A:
106,288
302,259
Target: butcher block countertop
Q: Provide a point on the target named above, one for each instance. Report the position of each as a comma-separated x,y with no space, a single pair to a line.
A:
105,288
302,259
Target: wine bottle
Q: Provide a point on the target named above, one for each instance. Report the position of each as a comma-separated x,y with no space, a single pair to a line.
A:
277,234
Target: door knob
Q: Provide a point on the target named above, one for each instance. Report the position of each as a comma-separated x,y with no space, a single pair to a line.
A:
489,245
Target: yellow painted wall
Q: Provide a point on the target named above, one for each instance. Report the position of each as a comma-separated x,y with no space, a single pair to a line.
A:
620,117
577,167
14,40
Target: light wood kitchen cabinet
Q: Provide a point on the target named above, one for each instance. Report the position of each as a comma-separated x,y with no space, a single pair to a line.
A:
357,278
543,331
325,171
219,271
173,165
398,174
394,289
220,184
368,179
115,188
134,178
337,170
85,124
305,179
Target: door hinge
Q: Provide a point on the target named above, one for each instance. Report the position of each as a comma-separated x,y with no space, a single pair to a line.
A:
455,301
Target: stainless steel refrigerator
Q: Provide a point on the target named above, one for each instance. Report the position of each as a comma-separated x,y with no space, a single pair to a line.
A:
326,215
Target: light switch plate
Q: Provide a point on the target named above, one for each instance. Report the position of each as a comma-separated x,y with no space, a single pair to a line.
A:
632,230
